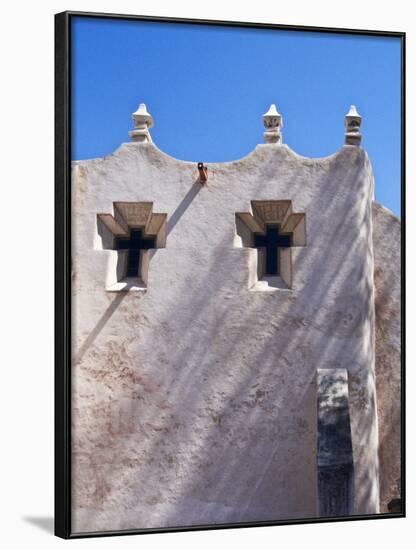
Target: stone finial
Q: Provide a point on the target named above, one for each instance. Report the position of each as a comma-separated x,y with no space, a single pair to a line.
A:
352,127
142,122
273,123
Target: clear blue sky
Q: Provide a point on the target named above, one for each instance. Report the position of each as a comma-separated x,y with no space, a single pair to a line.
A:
207,87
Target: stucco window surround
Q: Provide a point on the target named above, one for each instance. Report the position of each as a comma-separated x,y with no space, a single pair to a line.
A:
249,225
115,232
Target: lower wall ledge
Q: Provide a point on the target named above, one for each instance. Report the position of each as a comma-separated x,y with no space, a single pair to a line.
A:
269,284
127,285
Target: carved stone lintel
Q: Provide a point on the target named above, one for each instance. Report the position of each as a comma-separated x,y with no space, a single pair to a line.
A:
272,211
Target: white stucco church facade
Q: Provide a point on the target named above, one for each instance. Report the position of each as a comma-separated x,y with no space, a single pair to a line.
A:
236,336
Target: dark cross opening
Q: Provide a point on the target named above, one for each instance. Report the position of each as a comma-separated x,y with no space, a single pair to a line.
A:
272,241
134,245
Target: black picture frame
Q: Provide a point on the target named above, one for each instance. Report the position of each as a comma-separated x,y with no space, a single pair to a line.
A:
63,268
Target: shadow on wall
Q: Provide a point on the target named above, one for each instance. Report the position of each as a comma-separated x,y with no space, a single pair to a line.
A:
108,238
212,454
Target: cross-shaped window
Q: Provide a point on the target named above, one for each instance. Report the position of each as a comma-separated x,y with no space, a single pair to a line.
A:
132,231
134,244
273,229
272,241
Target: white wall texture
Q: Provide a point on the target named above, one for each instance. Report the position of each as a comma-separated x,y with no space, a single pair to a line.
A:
195,402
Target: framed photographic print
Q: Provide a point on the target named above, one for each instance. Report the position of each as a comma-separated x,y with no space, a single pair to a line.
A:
229,282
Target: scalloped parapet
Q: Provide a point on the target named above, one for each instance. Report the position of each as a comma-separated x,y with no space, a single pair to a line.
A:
187,352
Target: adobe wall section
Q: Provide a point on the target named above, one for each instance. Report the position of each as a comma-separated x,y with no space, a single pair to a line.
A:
387,274
194,400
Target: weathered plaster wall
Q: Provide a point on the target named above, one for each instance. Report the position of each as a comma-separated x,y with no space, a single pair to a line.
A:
387,249
195,402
